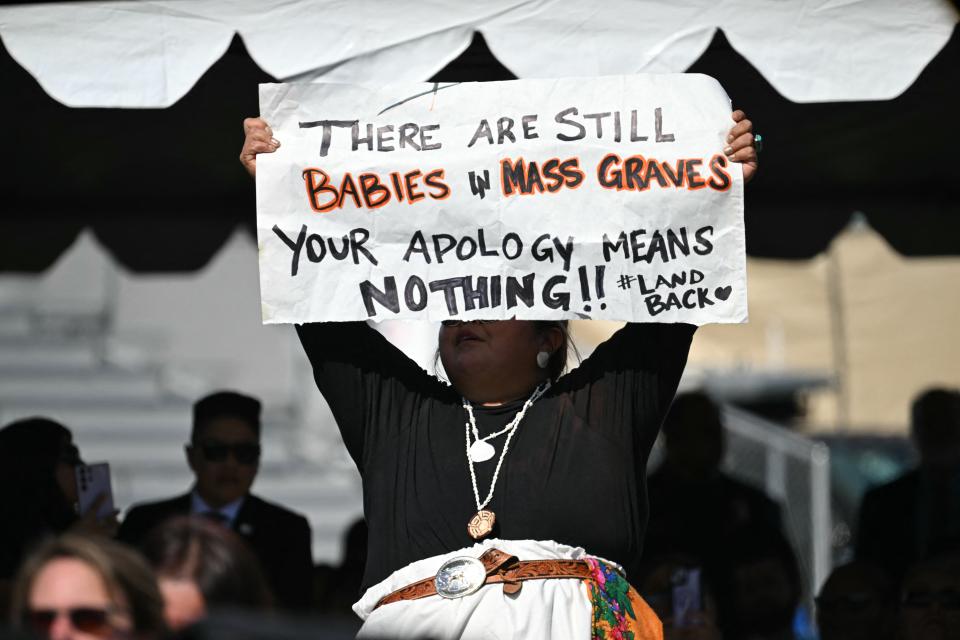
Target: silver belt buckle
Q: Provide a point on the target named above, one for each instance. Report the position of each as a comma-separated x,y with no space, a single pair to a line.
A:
459,577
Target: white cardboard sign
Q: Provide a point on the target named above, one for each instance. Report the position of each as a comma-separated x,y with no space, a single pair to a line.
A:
602,198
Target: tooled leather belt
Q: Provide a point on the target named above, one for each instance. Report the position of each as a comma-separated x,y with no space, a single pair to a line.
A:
464,575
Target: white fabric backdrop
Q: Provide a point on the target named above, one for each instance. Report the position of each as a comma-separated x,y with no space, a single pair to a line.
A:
149,53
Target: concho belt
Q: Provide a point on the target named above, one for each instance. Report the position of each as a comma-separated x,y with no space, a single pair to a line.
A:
463,575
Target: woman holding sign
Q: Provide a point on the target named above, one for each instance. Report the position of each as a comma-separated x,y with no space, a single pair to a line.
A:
509,503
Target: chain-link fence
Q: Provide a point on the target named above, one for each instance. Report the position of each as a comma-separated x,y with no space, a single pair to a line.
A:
794,471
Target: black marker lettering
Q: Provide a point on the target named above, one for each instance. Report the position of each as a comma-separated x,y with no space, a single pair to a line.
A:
562,119
415,294
294,246
658,126
387,298
327,131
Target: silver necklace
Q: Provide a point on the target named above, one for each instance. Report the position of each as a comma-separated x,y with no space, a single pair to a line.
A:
481,524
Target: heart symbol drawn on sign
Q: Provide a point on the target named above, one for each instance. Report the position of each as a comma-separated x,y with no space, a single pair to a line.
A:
723,292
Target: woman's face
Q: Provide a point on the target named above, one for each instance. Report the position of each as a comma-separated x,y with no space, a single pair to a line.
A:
493,361
68,600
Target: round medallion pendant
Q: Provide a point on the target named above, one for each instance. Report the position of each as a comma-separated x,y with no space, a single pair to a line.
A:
481,524
481,451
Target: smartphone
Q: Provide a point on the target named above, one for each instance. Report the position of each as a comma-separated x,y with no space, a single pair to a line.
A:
686,596
93,480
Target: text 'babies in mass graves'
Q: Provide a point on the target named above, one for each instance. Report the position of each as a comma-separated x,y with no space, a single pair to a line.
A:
516,175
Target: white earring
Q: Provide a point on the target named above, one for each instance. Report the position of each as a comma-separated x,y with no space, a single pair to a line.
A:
543,359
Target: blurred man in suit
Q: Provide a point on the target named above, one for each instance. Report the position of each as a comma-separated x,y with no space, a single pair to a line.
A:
918,514
224,455
694,506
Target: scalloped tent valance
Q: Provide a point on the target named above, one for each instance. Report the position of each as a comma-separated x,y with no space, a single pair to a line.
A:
150,53
162,189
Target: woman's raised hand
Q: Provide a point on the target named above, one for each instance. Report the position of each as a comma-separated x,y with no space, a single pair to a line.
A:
258,139
740,145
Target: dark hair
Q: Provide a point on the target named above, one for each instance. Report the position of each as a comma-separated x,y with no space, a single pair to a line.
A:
225,571
748,546
558,359
945,564
869,574
124,573
751,544
32,503
224,404
692,408
935,417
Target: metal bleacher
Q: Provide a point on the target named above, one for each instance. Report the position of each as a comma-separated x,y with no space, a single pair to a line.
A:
62,365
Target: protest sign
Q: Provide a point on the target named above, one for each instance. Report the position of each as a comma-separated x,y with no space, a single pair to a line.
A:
603,198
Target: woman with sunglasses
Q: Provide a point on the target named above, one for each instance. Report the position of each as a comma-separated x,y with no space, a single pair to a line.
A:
80,588
482,496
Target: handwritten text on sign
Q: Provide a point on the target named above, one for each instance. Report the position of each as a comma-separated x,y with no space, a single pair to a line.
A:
541,199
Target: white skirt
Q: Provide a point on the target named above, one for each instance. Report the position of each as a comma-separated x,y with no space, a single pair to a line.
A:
555,608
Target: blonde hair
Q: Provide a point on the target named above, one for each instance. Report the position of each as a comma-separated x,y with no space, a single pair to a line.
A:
127,577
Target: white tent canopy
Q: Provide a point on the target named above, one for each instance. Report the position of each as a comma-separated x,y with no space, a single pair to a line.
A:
149,53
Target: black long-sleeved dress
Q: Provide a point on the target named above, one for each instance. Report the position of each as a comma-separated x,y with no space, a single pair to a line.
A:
575,471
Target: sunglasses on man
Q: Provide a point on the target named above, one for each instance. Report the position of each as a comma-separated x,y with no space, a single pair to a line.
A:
91,620
244,453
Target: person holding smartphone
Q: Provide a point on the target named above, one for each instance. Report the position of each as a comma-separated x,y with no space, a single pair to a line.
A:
38,490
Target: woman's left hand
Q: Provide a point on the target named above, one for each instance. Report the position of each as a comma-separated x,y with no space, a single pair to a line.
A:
740,145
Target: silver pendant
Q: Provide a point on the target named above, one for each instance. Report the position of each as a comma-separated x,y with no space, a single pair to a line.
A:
481,451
